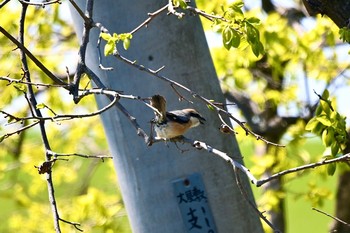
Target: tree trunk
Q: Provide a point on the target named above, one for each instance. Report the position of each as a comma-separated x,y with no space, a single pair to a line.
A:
337,10
342,204
146,174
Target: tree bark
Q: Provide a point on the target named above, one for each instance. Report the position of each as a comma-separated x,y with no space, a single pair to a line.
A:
337,10
342,204
146,174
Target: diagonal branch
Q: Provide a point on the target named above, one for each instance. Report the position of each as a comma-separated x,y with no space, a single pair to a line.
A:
26,52
36,112
343,158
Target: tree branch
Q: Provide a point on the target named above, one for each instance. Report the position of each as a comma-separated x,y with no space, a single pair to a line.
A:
343,158
36,112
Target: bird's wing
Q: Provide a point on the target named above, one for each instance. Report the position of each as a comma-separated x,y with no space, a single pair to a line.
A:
177,116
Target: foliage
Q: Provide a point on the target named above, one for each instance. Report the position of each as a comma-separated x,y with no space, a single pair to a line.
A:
112,40
344,34
96,205
268,74
298,54
237,29
331,127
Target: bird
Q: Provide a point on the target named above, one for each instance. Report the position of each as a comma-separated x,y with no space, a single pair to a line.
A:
173,124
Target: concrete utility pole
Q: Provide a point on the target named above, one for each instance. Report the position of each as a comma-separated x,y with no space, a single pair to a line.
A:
165,190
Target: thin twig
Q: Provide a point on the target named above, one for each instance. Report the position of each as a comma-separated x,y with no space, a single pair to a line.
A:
149,19
3,3
194,95
74,224
42,4
345,157
12,80
3,137
172,10
33,58
335,218
119,106
63,117
36,112
251,203
210,17
102,157
223,155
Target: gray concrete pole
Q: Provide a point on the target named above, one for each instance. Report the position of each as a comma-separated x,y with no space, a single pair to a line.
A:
164,190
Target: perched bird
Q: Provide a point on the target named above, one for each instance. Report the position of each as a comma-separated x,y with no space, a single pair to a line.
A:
174,123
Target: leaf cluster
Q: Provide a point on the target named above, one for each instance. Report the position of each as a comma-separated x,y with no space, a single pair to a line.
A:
237,29
23,191
344,34
112,41
331,127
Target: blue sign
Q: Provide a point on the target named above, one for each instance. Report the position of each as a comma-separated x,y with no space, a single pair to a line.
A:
192,200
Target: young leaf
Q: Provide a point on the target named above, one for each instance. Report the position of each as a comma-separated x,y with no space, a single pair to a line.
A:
20,87
183,4
334,148
40,106
324,120
109,48
236,39
227,35
253,20
331,168
325,94
126,43
105,36
311,124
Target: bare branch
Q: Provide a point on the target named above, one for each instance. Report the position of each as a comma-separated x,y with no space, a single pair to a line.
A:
42,4
12,80
102,157
36,112
149,19
335,218
74,224
252,204
194,95
3,137
3,3
172,10
33,58
343,158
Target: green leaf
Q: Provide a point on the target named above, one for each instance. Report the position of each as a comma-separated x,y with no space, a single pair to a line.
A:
324,120
20,87
183,4
311,124
105,36
325,94
2,137
227,35
318,110
334,148
237,7
325,107
331,168
236,39
252,34
344,34
210,107
40,106
176,3
253,20
328,137
109,47
126,43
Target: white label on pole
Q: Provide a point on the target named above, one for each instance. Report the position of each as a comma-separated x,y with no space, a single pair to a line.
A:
192,200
